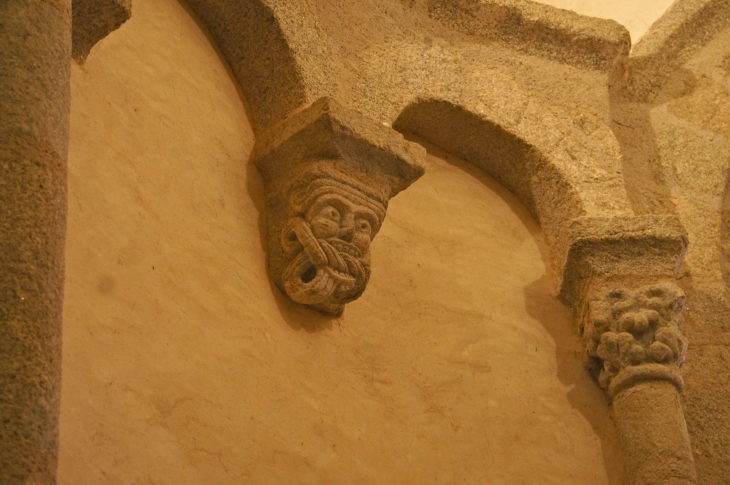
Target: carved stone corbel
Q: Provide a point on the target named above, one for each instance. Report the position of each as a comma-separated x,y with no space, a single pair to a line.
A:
329,173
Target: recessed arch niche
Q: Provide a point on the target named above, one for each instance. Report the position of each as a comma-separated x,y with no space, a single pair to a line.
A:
182,366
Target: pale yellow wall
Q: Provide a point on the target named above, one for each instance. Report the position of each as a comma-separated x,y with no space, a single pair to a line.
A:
183,366
636,15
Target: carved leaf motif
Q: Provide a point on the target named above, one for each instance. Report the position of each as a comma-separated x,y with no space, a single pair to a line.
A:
625,328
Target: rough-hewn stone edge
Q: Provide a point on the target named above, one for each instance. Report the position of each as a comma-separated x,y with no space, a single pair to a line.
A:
457,130
33,228
95,19
538,29
639,245
670,42
327,129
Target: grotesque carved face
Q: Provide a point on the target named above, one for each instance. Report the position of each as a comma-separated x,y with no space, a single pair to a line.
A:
333,216
328,241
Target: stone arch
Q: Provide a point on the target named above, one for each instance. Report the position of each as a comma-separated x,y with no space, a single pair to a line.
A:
284,60
519,166
574,189
519,163
251,39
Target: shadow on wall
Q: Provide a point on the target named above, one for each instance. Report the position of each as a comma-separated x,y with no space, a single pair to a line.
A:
647,190
298,317
542,305
569,355
551,313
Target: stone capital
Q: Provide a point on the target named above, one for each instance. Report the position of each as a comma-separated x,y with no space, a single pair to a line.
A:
633,336
635,350
329,173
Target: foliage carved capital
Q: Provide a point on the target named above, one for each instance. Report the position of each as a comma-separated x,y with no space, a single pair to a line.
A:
634,335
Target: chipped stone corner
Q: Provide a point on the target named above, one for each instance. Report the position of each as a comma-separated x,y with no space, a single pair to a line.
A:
93,20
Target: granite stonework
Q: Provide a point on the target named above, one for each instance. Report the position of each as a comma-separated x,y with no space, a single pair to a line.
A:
620,154
329,173
635,349
95,19
34,102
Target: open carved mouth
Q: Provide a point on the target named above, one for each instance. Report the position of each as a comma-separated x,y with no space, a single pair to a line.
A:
324,272
311,273
345,247
309,283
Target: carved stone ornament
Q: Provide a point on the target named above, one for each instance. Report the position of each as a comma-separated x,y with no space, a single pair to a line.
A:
329,173
634,336
326,240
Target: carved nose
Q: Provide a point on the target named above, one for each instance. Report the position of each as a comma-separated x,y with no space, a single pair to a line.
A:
347,227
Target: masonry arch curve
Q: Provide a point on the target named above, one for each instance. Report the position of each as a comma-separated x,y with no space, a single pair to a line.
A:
250,36
522,168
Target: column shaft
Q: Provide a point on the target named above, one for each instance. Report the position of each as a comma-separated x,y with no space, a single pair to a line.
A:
654,435
34,116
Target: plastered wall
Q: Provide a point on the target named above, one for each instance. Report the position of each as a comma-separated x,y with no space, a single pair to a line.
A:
182,365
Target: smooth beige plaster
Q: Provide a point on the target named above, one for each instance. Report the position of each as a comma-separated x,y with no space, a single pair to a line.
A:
636,16
182,365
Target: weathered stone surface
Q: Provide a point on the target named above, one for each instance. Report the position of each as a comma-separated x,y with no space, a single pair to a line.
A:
653,435
601,249
671,41
276,51
688,120
34,103
492,88
636,17
538,29
329,173
563,196
635,349
705,404
547,102
634,336
95,19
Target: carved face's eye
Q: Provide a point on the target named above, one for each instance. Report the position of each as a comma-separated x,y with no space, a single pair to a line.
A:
325,222
331,213
362,225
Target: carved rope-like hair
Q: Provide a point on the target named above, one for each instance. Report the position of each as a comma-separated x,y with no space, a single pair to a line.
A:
315,183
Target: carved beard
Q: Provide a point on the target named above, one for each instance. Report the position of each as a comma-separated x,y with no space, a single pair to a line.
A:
326,273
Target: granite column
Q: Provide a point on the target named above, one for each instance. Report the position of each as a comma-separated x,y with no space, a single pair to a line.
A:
34,132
